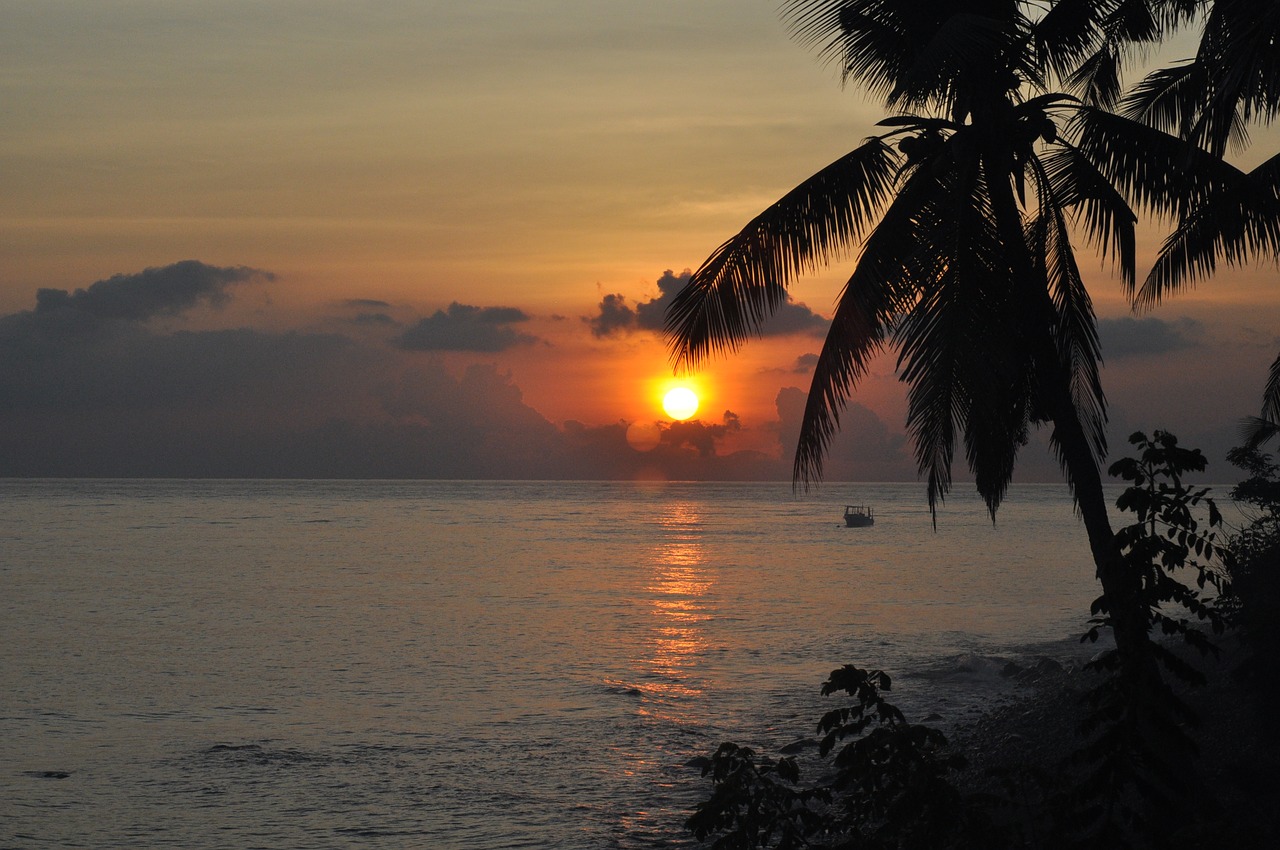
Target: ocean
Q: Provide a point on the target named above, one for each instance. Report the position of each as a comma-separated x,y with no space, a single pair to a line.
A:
331,664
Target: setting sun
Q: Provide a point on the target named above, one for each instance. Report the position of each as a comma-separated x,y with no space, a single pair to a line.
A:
680,403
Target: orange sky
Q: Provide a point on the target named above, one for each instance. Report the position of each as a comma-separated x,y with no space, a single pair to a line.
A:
413,154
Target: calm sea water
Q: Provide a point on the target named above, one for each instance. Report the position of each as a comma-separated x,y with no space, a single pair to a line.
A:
234,664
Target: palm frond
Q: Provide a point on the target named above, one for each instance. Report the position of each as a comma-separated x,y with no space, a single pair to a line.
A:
870,41
1255,431
1237,47
959,343
1221,108
1221,128
857,333
1240,219
1167,98
1118,29
916,122
745,279
1098,78
962,61
998,372
1076,328
1159,172
1075,184
1134,23
881,287
1271,394
1068,33
915,54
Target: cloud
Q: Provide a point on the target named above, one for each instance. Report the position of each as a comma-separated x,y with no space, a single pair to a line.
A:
367,304
380,319
792,317
615,316
805,364
698,435
652,314
166,290
134,399
463,327
233,371
116,308
864,449
1129,337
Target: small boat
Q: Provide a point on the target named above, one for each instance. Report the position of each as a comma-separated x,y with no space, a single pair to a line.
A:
858,516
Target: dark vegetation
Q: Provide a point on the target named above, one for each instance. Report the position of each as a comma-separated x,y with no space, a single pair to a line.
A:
1255,569
1127,770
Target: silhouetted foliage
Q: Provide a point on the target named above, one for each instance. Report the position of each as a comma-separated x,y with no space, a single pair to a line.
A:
1255,566
1167,539
1132,781
889,784
1221,213
1139,755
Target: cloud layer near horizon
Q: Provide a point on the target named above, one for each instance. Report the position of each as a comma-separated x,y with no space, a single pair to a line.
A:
96,388
118,378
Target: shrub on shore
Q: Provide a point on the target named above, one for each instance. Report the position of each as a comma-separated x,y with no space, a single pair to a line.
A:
1130,780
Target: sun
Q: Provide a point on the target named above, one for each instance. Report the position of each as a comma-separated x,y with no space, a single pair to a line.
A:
680,403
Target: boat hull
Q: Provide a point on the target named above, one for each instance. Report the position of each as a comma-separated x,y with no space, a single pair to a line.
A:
858,516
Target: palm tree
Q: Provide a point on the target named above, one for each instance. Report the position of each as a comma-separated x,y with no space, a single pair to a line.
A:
1222,214
1233,79
963,206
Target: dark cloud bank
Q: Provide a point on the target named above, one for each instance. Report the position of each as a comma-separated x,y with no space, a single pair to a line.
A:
614,316
1128,337
466,328
95,382
93,387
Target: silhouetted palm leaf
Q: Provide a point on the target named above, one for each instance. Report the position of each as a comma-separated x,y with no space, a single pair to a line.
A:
1234,79
1103,34
915,54
1239,55
1257,430
1158,171
1166,98
961,351
877,291
1067,34
1271,394
1238,220
1109,223
1076,335
745,279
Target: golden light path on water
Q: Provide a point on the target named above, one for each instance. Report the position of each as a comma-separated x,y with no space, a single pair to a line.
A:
678,584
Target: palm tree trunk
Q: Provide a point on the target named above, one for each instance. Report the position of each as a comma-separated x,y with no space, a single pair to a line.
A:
1121,586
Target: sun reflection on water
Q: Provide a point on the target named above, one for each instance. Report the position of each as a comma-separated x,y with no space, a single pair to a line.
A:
677,588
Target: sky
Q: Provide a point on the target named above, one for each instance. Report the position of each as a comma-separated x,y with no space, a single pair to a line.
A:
408,238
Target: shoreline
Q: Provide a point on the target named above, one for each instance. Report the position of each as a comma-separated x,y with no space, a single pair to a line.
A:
1239,743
